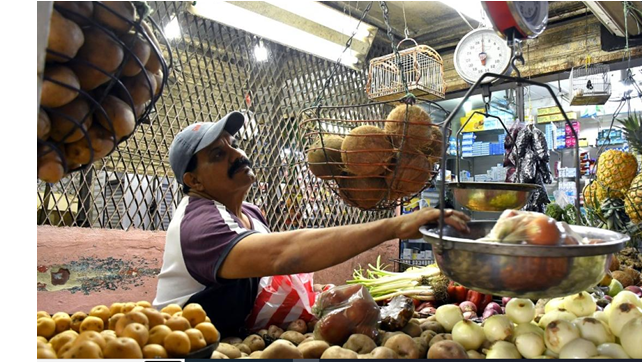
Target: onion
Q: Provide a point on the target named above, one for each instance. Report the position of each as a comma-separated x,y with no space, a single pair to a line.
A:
448,315
626,296
528,328
470,315
550,353
475,355
503,350
530,345
607,311
630,338
469,334
601,316
578,348
489,313
520,310
468,306
581,304
494,306
613,350
594,330
498,328
635,290
553,304
556,315
621,314
558,333
505,300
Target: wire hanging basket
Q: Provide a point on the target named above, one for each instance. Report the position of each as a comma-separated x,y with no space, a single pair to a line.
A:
590,85
369,161
422,68
104,72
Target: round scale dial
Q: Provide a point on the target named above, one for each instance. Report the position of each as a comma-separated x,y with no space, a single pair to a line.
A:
481,51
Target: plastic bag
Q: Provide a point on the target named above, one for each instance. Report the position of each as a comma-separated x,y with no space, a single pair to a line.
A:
282,299
343,311
397,313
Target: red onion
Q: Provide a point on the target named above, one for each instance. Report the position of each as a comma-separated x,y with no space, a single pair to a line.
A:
494,306
608,297
468,306
470,315
489,313
635,289
505,300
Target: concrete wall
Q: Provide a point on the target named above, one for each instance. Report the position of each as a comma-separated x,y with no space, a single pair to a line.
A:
80,268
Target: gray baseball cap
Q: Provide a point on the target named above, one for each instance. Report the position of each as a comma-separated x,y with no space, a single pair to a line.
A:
196,137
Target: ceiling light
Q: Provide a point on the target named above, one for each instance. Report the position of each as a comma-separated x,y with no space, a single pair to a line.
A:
260,52
173,29
472,9
308,26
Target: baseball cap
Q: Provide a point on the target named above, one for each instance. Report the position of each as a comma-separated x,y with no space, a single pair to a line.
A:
196,137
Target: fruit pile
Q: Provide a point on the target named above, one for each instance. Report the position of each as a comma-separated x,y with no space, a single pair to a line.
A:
374,166
125,330
103,71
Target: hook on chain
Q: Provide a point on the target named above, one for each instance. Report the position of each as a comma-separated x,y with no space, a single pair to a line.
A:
518,55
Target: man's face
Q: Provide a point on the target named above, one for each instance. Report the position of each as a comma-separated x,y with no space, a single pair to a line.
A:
222,168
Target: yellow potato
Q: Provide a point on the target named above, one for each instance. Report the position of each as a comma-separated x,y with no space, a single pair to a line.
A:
56,95
50,167
140,87
157,334
102,143
63,338
65,37
43,314
171,309
46,353
101,51
196,339
84,349
194,313
154,351
92,323
155,317
178,323
140,50
144,304
102,312
116,308
46,327
63,321
131,317
114,319
138,332
177,344
128,307
91,336
123,347
108,335
210,333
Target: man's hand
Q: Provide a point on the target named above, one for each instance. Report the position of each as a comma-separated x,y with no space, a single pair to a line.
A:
408,225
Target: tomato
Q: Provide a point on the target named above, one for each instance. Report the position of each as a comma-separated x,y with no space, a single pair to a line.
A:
543,230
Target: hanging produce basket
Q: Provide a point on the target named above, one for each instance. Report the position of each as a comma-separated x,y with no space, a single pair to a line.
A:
370,161
104,72
422,68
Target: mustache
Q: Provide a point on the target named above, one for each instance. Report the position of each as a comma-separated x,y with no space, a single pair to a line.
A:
238,163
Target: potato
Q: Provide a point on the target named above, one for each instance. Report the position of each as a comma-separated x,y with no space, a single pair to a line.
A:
114,319
447,350
218,355
336,352
50,167
412,329
128,307
158,333
193,312
137,308
102,143
125,9
427,335
243,348
101,51
68,121
64,349
196,339
56,95
137,332
360,343
313,349
140,50
85,10
403,345
177,344
422,345
62,320
293,336
76,320
229,350
129,318
256,354
43,314
92,336
102,312
140,87
144,304
46,353
298,325
61,339
383,353
171,309
154,351
475,355
123,347
262,333
154,62
84,350
42,341
389,335
166,316
255,342
178,314
210,333
274,332
116,308
108,335
281,349
433,326
65,37
440,337
153,316
92,323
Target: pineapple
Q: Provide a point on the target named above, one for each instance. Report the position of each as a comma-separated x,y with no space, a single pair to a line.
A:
616,170
633,132
594,194
633,200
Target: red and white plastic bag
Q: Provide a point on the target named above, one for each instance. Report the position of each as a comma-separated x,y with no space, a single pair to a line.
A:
282,299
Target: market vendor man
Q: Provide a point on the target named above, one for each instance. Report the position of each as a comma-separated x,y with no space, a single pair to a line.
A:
218,245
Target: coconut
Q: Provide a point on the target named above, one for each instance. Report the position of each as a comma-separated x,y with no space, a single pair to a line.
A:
435,145
321,166
413,171
362,192
367,151
418,128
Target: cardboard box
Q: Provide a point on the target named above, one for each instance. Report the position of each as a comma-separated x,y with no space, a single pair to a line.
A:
547,110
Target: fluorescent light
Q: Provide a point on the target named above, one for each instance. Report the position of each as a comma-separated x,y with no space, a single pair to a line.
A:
260,52
173,29
468,106
313,31
472,9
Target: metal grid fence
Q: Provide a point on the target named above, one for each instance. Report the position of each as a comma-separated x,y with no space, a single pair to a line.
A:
215,73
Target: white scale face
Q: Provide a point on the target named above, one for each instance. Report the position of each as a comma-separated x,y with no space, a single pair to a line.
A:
481,51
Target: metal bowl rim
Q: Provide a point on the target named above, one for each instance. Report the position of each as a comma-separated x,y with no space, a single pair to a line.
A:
503,186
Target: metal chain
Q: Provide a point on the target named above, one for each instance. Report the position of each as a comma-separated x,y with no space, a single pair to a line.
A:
317,101
384,8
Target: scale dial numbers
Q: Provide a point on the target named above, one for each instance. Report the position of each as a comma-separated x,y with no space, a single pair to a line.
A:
481,51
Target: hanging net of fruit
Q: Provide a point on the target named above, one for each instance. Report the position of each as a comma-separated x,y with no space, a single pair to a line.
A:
104,72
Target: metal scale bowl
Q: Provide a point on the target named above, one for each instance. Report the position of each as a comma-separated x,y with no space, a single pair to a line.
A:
516,270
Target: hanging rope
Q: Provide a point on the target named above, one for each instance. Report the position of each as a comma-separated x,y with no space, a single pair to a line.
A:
409,97
405,23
